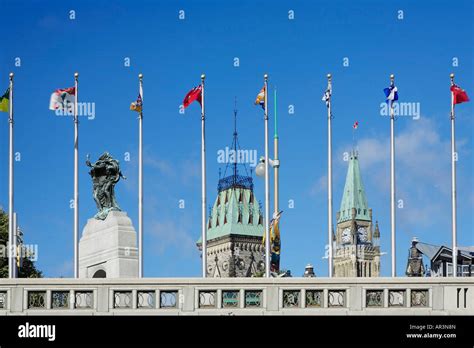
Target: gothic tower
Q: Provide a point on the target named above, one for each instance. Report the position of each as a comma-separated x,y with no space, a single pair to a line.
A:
356,244
235,224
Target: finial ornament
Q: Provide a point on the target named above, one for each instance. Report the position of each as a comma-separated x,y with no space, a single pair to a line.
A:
265,76
203,76
140,76
76,75
11,76
329,76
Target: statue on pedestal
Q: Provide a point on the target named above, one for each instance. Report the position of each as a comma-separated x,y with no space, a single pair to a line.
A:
105,174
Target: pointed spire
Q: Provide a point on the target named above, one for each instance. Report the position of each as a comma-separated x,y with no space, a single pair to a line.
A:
354,200
377,231
235,139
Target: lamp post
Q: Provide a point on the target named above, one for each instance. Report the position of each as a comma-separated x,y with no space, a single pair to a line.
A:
261,171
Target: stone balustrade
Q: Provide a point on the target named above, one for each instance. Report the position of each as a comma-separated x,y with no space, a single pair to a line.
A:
238,296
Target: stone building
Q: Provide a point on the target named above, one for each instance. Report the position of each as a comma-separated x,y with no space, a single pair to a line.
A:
235,225
440,260
356,242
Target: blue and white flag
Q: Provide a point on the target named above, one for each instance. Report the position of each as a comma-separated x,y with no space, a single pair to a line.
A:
327,96
391,93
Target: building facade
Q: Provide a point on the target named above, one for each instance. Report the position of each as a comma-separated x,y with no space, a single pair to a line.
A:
356,242
235,225
440,260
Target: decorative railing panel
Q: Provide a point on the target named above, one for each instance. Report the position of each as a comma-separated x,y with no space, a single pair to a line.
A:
291,298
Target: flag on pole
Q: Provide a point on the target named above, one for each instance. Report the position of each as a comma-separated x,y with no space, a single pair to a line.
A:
5,101
391,93
62,99
459,94
355,125
137,105
193,95
274,242
260,100
327,96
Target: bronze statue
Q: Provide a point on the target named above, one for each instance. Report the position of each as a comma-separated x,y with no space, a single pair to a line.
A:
105,174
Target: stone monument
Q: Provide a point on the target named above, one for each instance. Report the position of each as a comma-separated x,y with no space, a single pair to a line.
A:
108,247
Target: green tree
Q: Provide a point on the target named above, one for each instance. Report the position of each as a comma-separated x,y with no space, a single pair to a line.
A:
28,269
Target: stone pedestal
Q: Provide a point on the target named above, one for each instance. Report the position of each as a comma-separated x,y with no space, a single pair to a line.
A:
108,248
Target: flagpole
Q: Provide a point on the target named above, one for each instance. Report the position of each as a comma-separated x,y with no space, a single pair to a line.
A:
392,180
203,181
76,178
276,166
11,242
267,185
140,180
453,184
330,227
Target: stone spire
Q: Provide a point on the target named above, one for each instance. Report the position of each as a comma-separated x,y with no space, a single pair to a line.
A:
235,226
354,194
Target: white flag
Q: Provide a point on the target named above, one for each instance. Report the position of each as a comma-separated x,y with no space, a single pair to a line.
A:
63,99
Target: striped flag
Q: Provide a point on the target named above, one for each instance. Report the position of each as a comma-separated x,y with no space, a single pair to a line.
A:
260,100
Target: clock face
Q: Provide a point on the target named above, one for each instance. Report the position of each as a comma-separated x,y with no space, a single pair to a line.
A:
346,236
362,234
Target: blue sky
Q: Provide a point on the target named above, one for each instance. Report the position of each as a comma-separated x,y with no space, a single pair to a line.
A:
297,54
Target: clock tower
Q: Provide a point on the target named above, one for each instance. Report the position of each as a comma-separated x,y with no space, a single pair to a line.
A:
356,243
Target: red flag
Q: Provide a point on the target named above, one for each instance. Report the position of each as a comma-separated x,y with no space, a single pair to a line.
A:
459,95
194,94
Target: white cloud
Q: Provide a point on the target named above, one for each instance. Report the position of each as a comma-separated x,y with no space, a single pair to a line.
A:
423,171
172,235
320,186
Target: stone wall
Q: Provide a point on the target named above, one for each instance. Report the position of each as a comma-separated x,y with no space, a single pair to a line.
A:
238,296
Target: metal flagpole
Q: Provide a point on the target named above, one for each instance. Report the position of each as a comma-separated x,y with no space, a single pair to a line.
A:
392,179
140,181
203,181
11,235
15,245
76,178
330,228
267,185
276,166
453,184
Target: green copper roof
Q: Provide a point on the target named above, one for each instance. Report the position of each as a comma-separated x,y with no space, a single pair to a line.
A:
235,212
354,194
